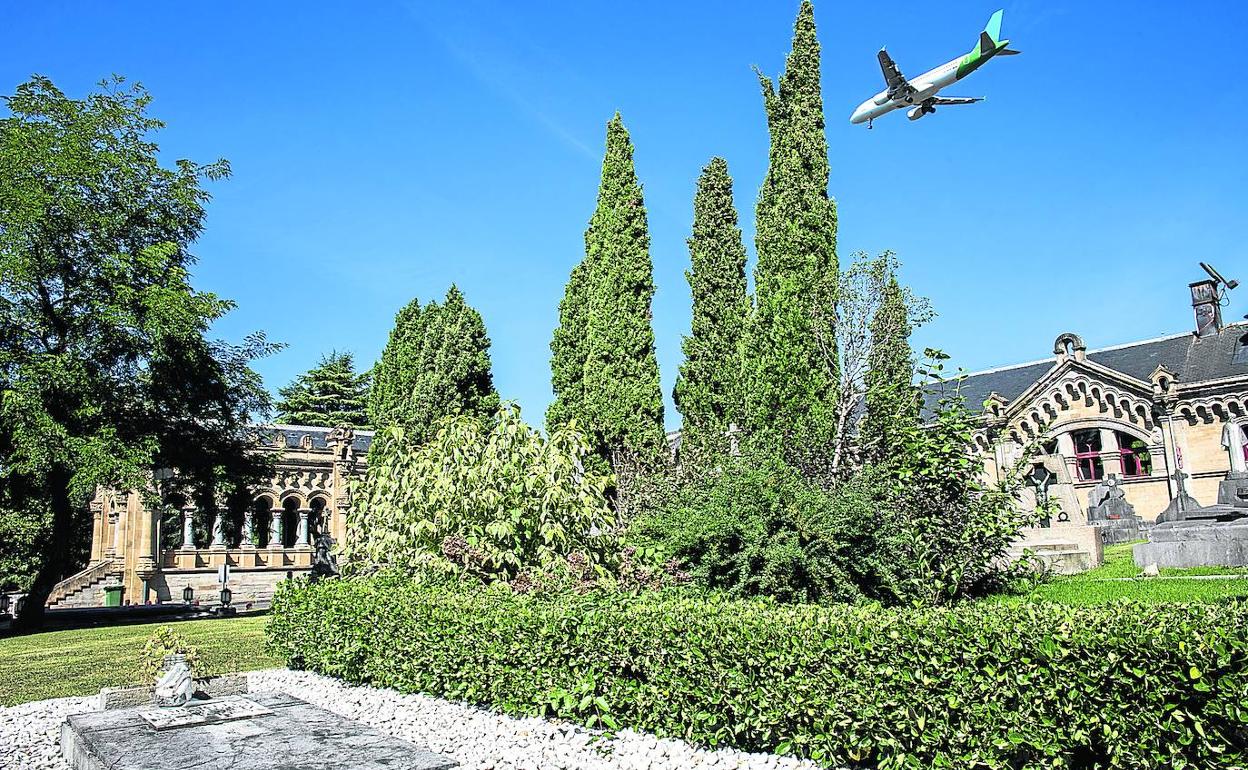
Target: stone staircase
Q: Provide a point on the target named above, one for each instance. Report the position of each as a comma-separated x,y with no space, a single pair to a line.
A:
85,589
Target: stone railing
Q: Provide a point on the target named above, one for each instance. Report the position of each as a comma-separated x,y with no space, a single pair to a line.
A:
250,557
94,573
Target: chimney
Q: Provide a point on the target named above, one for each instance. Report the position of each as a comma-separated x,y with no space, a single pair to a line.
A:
1206,301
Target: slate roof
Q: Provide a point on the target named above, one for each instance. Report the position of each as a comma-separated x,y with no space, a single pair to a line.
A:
291,436
1193,359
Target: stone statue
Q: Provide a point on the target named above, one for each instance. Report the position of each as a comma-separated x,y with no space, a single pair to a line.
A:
175,686
324,563
1233,443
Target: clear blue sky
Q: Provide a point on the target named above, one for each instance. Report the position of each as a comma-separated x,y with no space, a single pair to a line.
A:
382,151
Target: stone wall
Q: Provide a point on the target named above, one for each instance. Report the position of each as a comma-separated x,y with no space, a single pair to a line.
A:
245,585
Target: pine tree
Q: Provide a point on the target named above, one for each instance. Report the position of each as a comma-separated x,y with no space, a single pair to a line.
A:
891,398
709,391
623,397
329,394
793,367
436,363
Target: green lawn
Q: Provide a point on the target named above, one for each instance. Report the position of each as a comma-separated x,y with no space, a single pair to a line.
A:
57,664
1104,584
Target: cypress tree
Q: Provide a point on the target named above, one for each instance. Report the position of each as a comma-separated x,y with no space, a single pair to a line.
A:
329,394
623,397
567,352
891,398
709,391
793,366
436,363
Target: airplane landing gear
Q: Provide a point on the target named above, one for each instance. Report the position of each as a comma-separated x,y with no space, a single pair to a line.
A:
870,123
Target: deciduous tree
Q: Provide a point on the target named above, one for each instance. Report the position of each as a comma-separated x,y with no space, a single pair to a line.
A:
105,370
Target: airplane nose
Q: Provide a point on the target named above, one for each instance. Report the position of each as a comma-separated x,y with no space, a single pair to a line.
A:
859,114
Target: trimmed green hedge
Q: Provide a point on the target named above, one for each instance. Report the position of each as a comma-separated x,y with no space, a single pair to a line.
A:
982,685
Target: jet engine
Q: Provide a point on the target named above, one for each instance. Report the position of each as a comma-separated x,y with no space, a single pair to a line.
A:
914,113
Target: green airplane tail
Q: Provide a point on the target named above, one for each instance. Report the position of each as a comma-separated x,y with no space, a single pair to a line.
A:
990,39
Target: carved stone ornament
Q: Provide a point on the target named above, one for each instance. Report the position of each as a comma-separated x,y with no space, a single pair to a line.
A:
175,686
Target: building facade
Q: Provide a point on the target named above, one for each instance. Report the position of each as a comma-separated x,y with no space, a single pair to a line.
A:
154,556
1161,424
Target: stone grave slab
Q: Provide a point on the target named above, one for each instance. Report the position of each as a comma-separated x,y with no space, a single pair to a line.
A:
257,732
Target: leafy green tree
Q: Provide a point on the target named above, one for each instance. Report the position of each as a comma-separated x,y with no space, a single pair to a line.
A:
892,400
105,372
793,362
605,322
329,394
709,392
436,363
488,497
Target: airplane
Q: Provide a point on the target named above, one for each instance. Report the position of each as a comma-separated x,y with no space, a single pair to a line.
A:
920,94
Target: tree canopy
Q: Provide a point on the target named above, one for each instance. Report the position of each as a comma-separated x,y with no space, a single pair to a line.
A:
329,394
106,372
436,364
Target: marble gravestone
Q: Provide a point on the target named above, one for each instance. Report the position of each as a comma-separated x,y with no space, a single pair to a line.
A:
258,732
1111,514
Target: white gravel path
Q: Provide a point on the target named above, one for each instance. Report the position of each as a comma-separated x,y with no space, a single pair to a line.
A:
476,738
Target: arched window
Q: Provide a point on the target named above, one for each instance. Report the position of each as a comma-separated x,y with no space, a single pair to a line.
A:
261,518
1136,460
290,521
1088,454
316,519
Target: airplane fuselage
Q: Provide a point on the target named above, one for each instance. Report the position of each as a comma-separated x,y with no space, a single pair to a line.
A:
926,86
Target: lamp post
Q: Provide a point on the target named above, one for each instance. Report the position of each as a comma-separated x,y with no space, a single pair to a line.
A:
188,595
226,596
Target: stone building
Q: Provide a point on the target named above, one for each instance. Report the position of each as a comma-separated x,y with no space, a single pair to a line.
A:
154,556
1159,424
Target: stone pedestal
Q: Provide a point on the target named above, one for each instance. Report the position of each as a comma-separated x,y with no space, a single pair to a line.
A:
260,732
1233,490
1195,543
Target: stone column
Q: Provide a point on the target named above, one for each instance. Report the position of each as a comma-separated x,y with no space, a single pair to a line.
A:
1111,453
275,527
301,536
249,530
188,528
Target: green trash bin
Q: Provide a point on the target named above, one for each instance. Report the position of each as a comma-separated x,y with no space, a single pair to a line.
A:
112,596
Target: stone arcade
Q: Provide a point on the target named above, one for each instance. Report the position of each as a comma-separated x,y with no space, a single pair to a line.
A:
154,557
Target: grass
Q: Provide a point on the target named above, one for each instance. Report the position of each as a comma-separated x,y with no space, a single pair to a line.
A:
58,664
1106,584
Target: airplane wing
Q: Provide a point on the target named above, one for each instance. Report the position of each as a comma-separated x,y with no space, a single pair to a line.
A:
896,81
941,100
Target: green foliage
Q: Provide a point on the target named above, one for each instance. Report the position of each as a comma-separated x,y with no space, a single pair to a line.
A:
1024,686
754,527
329,394
436,363
709,391
489,498
605,325
891,398
166,641
793,361
105,371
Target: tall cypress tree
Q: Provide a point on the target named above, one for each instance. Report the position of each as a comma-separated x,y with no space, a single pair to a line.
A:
567,352
793,365
891,397
329,394
603,367
709,391
436,363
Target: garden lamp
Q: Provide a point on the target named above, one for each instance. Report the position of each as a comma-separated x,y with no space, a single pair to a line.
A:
188,595
226,596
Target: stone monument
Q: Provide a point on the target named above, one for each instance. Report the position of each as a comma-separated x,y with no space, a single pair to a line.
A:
1233,490
175,685
1111,514
324,563
257,732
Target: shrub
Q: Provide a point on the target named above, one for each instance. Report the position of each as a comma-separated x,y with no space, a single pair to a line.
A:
979,685
489,498
166,641
754,527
